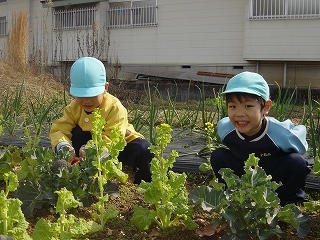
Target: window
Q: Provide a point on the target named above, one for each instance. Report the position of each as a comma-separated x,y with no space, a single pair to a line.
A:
132,14
3,26
284,9
3,1
75,16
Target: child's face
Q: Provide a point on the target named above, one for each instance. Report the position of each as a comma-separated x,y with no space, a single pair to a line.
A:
90,103
246,115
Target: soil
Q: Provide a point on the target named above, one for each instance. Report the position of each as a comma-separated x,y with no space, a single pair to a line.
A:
120,227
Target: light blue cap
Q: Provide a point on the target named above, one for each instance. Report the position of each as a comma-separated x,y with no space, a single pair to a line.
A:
88,77
248,82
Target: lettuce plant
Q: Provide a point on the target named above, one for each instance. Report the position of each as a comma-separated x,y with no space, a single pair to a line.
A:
107,164
166,192
67,226
249,207
12,220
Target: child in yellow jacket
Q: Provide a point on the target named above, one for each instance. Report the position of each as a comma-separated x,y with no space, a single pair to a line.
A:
89,87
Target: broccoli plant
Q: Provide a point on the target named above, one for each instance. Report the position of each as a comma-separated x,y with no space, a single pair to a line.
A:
166,192
41,175
249,207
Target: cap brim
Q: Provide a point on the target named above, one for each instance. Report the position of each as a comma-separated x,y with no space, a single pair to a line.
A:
241,90
86,92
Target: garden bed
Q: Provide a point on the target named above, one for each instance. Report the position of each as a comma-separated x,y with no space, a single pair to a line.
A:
188,144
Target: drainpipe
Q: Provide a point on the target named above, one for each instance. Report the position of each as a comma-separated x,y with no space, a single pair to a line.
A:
257,67
285,74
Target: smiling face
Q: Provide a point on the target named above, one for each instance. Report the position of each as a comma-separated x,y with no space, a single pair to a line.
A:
90,103
246,112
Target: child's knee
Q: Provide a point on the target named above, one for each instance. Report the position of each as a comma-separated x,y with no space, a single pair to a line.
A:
298,163
297,160
219,155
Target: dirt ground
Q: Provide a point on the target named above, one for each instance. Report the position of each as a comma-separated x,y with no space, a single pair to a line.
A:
120,228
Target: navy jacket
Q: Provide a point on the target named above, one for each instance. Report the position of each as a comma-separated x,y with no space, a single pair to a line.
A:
274,140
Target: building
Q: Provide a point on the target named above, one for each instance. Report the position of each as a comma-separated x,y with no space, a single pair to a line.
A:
202,40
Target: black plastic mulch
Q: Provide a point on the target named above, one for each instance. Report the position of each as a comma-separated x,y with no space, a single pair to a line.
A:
186,143
189,144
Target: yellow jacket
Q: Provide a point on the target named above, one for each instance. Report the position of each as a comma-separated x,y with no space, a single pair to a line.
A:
111,110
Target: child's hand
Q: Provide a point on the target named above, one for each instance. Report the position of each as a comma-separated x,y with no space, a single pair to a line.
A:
82,151
69,150
75,160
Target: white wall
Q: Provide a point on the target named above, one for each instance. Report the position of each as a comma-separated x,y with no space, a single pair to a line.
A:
285,40
188,32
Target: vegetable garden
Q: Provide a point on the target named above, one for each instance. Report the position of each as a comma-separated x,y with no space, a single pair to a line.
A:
43,198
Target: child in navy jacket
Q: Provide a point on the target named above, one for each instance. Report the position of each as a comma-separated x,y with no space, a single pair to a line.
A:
247,129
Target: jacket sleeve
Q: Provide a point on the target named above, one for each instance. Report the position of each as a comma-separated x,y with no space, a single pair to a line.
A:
224,126
288,137
61,128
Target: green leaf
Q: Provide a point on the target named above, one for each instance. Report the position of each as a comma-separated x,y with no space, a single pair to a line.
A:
286,214
65,235
267,233
152,194
112,171
27,169
313,205
232,180
176,182
65,201
171,159
264,197
204,167
210,198
252,161
4,168
111,212
33,196
142,217
83,226
304,222
316,166
11,181
42,230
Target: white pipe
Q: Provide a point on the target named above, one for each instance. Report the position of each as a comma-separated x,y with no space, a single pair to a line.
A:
285,74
